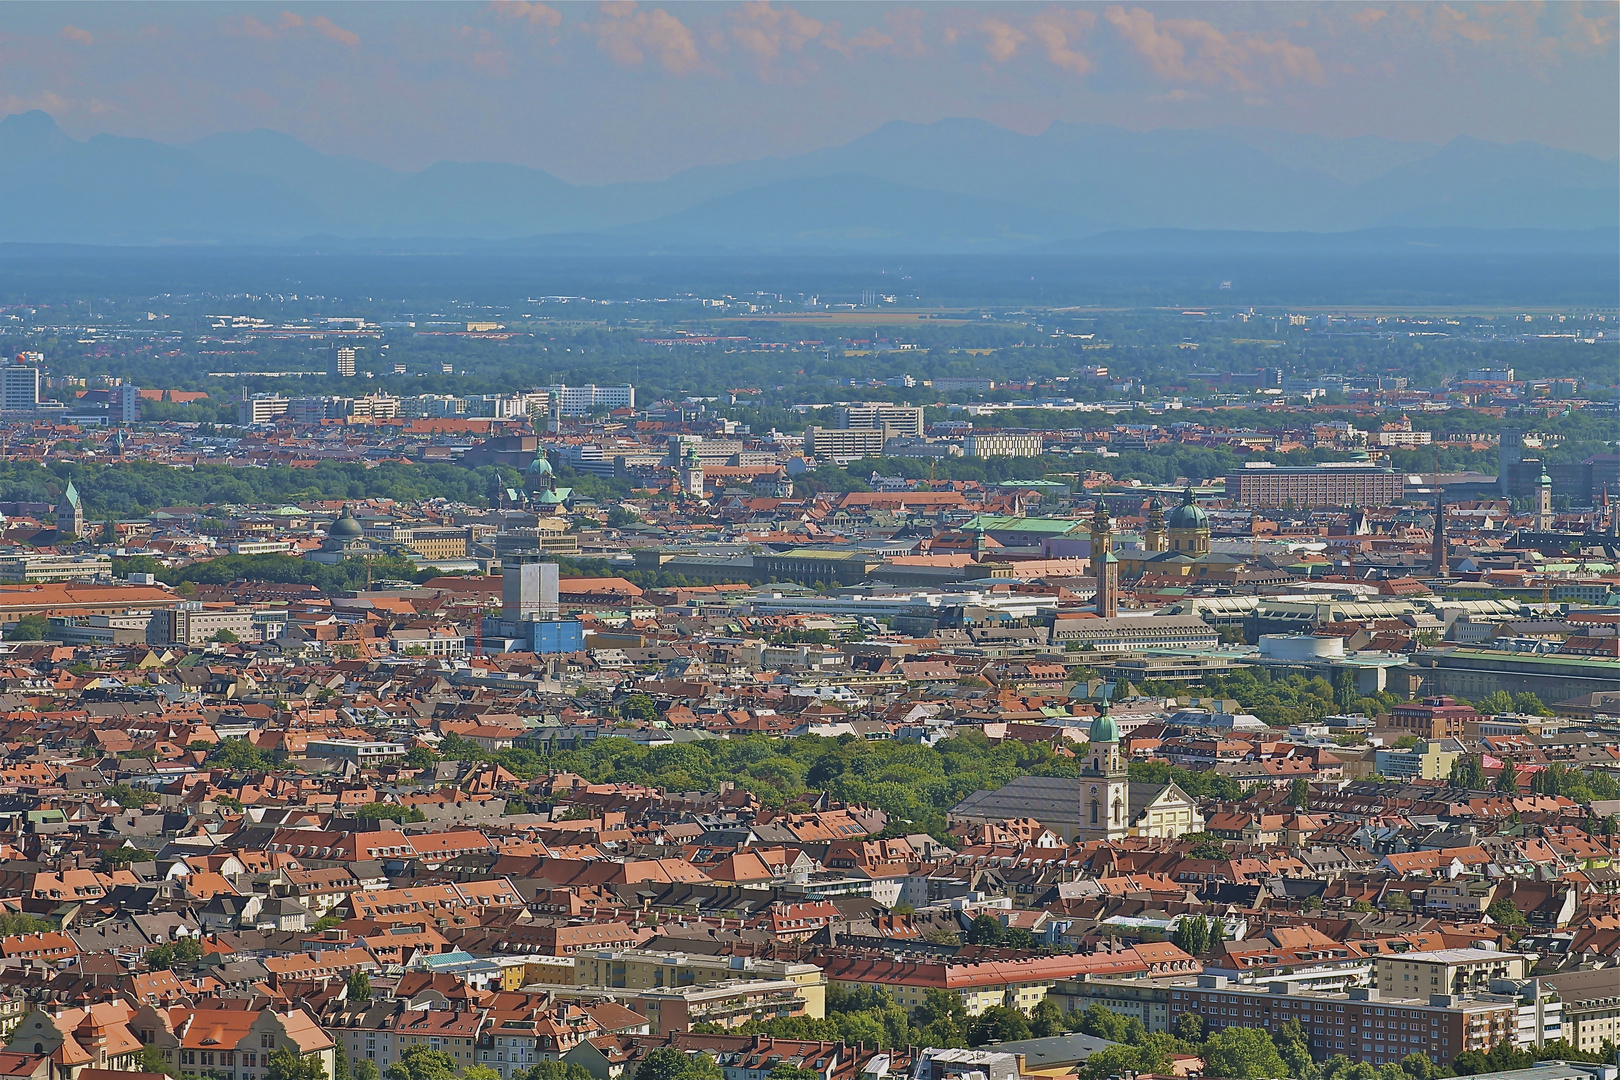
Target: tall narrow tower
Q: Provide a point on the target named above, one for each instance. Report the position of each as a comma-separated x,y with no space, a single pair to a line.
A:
1155,538
1439,565
1544,511
1104,562
1105,784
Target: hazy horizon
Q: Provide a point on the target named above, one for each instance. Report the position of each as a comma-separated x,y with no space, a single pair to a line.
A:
615,92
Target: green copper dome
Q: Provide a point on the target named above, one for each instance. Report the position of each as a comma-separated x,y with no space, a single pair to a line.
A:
346,527
1104,730
1189,515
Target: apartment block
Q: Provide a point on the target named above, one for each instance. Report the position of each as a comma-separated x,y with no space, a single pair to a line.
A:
1003,444
898,420
1370,1025
1447,971
19,387
1316,485
583,400
843,444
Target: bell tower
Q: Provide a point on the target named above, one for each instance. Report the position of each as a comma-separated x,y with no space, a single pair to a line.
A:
1104,562
1105,788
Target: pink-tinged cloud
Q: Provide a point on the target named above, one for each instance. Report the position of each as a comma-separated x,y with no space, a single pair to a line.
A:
83,37
1191,50
248,26
1058,30
766,31
1002,41
1369,16
534,14
628,35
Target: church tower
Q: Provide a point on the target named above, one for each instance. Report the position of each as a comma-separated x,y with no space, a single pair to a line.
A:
1438,562
1544,510
1104,562
70,514
1105,799
1154,538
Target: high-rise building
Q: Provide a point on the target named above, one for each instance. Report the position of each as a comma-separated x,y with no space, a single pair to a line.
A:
127,404
584,400
19,387
897,420
340,363
528,589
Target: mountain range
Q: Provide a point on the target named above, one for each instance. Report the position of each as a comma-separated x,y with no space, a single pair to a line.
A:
946,187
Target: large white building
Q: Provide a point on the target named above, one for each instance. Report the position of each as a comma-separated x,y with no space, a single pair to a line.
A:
584,400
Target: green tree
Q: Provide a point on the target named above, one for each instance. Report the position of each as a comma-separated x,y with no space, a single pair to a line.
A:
1468,773
1503,913
1191,935
378,811
1506,782
420,757
131,797
784,1070
1344,690
359,986
1530,704
152,1061
224,636
1243,1054
1299,793
418,1062
1046,1019
639,707
1294,1046
1397,901
238,756
1190,1027
943,1019
1205,846
1495,703
998,1023
365,1069
986,930
1019,938
29,628
283,1064
552,1070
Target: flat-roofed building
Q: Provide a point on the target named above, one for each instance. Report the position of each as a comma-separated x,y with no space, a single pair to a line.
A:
1447,971
645,970
1316,485
896,420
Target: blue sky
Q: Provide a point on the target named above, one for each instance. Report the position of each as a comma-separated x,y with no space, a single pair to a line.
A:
620,91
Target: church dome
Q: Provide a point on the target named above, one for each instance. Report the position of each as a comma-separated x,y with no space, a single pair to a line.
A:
1104,730
346,527
540,466
1189,515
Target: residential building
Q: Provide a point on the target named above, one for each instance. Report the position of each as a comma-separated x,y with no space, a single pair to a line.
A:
1277,487
898,421
984,444
843,444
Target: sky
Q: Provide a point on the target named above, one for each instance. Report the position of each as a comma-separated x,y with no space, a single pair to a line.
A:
598,93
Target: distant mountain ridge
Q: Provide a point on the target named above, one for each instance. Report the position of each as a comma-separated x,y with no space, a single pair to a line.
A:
950,186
